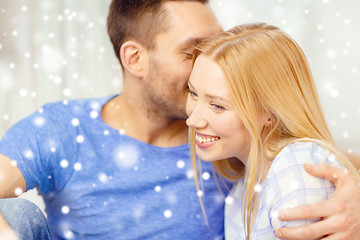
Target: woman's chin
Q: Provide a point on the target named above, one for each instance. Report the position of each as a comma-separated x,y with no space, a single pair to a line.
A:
207,158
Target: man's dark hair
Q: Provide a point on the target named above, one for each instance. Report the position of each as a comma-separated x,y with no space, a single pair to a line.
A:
140,20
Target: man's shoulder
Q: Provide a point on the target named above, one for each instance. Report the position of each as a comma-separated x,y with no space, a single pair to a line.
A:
74,107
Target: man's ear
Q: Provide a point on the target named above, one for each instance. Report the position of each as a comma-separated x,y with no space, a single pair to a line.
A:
133,55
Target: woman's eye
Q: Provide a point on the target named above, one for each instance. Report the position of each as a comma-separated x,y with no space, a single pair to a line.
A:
217,107
192,94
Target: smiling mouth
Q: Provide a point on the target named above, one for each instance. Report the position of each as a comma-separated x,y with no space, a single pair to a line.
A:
204,141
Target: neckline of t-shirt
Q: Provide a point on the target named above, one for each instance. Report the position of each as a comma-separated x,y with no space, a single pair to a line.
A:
112,130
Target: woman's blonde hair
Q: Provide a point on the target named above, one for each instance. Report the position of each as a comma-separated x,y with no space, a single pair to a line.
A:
267,73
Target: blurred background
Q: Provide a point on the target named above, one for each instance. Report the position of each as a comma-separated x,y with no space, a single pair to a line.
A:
55,50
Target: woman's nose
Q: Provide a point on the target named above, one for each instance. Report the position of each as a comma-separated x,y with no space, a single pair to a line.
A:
196,118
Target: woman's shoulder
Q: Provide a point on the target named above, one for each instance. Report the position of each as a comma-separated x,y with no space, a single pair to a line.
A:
295,155
299,153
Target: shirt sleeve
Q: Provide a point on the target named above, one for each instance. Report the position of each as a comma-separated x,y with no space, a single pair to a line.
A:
36,144
293,186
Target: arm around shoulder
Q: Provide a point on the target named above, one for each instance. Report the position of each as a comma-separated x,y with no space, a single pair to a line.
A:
340,213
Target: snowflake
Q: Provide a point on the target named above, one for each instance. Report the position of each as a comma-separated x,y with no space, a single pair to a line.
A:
75,122
77,166
126,156
258,188
80,139
180,164
39,121
64,163
167,213
65,209
206,175
18,191
28,154
157,188
103,177
275,214
69,234
295,185
229,200
94,114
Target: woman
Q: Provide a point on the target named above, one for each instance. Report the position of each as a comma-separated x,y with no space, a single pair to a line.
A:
254,110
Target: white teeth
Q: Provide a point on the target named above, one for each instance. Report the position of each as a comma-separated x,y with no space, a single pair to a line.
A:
204,139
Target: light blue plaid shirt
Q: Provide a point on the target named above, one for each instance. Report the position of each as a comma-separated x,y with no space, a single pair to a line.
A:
286,185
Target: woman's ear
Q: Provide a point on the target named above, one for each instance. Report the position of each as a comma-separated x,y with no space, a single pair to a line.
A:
268,121
132,55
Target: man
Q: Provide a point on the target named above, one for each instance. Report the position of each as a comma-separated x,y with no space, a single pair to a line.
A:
117,167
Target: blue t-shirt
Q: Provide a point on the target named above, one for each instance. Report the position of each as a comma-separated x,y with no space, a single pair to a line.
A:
99,183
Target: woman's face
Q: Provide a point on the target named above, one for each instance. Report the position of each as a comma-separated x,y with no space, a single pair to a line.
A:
219,131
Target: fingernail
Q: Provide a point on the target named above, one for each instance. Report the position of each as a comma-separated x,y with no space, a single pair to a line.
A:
278,234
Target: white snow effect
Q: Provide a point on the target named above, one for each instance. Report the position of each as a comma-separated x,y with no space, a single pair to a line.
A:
180,164
75,122
56,79
51,59
331,53
157,188
295,185
103,177
77,166
65,209
138,212
126,156
229,200
18,191
64,163
80,139
218,198
171,199
94,114
67,92
334,93
190,173
167,214
23,92
206,175
27,153
257,188
275,214
68,234
332,158
39,121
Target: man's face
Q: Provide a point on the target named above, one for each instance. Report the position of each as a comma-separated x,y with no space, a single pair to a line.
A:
170,61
